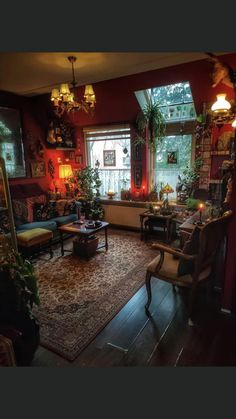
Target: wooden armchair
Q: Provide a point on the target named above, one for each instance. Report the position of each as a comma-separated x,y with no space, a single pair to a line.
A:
198,264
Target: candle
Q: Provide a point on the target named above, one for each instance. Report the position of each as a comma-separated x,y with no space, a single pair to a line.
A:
201,207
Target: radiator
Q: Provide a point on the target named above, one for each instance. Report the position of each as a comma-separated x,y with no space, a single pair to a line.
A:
123,216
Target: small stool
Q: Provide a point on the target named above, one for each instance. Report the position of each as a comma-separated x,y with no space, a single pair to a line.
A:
36,236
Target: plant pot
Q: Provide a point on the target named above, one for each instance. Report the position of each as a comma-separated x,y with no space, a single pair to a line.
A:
153,196
125,195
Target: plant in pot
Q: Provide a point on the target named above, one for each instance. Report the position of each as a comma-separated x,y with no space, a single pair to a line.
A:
153,195
88,182
189,180
18,296
151,125
124,193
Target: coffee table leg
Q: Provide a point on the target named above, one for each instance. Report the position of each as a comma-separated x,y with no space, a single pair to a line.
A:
62,246
106,239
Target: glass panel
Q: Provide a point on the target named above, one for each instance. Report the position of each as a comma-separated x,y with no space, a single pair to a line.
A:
173,155
112,157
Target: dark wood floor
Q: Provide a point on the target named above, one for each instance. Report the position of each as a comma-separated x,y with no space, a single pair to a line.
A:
163,339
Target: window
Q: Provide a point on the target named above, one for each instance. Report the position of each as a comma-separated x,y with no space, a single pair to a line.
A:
108,149
175,151
173,156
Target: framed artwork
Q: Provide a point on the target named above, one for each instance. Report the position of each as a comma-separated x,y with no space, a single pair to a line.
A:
172,157
38,169
79,159
11,144
71,155
137,152
109,157
137,176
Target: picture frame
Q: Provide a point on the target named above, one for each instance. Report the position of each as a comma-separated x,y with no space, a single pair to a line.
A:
137,176
71,155
79,159
38,169
172,157
109,157
137,152
12,148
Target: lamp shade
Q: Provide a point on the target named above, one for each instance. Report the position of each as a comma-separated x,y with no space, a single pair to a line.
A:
234,123
221,104
88,90
65,171
64,89
55,94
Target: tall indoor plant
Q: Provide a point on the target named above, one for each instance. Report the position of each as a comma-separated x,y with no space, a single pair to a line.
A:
88,183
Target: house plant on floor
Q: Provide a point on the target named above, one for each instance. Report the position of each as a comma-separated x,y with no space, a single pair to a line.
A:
18,295
88,182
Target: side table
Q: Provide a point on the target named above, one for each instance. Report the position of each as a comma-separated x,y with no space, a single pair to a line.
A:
148,220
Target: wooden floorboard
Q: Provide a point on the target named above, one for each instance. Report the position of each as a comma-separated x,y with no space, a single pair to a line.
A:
132,338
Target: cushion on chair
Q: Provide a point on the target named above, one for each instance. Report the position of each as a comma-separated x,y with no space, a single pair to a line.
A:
33,237
169,269
191,247
49,225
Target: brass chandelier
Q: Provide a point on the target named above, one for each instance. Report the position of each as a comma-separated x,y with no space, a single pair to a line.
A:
64,99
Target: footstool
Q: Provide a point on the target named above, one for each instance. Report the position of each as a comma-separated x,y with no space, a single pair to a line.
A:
36,236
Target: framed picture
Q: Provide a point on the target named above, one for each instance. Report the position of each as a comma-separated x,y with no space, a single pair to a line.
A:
172,157
137,176
109,157
71,155
79,159
11,145
38,169
137,152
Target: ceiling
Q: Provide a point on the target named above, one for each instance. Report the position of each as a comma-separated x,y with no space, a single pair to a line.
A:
33,73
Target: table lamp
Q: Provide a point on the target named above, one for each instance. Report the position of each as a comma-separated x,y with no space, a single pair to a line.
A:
65,171
167,189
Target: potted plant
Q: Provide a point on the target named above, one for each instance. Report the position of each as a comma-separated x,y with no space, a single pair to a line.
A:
153,195
18,295
88,183
189,180
124,193
150,125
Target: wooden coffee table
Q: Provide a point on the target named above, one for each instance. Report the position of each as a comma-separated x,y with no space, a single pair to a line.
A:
80,230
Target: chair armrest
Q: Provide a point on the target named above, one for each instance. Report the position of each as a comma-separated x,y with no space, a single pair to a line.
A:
172,251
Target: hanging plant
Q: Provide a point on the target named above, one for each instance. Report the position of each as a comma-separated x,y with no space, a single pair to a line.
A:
151,126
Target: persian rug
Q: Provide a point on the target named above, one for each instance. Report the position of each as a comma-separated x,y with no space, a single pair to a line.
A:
79,297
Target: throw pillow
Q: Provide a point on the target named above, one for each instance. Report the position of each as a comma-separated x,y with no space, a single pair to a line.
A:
70,207
23,208
190,248
43,212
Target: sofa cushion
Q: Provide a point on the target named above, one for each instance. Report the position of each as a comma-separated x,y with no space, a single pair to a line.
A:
43,212
66,219
191,247
32,237
49,225
24,208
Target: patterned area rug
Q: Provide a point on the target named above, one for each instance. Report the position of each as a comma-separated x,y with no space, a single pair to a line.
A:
79,297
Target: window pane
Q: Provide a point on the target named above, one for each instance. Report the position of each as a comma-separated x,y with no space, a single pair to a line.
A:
111,155
173,155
